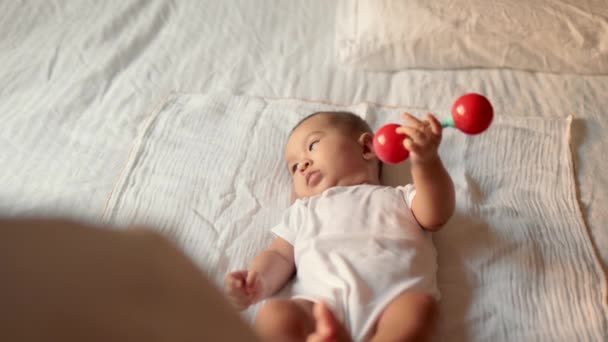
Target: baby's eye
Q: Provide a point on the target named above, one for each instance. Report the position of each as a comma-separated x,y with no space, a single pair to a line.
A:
294,167
312,145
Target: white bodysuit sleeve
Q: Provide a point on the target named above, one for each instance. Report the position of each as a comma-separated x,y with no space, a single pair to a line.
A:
287,228
409,192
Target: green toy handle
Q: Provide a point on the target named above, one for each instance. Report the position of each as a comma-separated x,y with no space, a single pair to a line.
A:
449,122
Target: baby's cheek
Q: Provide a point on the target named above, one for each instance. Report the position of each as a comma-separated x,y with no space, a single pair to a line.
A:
299,189
352,164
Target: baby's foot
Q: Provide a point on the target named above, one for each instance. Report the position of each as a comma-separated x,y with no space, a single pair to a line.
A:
327,329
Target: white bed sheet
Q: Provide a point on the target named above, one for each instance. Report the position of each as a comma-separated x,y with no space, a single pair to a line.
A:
79,78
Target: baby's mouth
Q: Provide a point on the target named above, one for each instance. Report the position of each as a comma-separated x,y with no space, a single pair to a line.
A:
313,178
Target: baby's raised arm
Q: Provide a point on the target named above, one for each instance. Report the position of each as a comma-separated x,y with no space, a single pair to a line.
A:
267,274
435,198
434,202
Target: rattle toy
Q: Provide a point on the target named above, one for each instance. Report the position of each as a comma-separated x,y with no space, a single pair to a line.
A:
471,113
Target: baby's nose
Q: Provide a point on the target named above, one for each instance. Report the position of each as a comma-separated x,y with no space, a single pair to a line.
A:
305,165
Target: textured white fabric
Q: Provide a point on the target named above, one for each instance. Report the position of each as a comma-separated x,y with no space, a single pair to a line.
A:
515,262
79,79
357,248
565,36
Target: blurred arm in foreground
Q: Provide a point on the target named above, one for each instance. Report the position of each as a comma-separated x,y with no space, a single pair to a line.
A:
66,281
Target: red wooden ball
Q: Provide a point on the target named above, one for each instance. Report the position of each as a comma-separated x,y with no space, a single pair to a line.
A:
388,144
472,113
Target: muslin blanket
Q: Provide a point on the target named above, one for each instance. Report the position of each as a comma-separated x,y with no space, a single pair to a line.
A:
515,262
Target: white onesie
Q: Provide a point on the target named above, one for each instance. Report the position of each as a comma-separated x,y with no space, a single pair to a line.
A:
357,248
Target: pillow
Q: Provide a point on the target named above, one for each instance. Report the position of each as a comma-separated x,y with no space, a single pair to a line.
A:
567,36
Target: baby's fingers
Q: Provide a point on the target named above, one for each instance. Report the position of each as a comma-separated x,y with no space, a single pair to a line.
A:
251,279
411,146
414,121
240,302
412,133
254,285
235,280
436,127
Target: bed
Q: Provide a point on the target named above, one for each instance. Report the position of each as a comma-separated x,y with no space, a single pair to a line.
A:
93,93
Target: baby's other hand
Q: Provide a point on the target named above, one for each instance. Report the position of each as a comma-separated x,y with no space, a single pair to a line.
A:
244,288
423,138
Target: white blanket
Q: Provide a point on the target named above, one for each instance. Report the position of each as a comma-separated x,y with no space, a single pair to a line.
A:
516,262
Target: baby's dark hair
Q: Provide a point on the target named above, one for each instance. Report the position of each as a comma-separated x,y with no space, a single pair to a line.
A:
352,123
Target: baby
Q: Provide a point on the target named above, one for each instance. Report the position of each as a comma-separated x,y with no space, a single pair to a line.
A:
365,261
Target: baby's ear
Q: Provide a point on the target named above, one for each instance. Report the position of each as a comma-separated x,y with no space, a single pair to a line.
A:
366,140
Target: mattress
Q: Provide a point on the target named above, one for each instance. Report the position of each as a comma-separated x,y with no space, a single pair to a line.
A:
81,79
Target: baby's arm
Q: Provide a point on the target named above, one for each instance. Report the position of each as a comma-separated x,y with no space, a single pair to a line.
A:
434,202
435,199
275,265
267,274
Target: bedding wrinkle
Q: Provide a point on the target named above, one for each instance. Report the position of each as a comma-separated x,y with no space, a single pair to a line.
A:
133,37
51,63
206,223
474,189
586,13
120,23
242,189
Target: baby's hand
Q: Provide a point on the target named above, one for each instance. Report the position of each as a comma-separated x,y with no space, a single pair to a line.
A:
244,288
423,137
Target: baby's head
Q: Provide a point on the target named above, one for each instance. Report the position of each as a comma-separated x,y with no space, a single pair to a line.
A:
329,149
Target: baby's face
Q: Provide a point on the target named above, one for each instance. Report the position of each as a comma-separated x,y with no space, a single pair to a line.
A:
320,155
